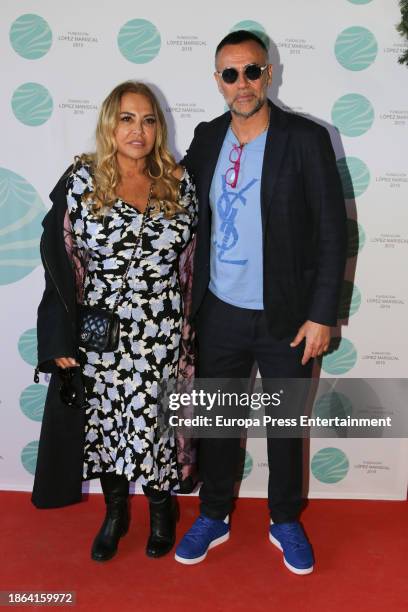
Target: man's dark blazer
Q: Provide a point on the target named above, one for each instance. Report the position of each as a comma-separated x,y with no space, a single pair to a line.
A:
303,219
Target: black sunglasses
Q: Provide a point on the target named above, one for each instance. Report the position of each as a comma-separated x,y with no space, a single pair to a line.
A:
67,390
252,72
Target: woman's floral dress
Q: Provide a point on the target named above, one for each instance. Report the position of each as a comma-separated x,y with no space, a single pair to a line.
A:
122,433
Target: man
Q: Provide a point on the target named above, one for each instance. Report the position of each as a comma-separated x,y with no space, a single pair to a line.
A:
269,264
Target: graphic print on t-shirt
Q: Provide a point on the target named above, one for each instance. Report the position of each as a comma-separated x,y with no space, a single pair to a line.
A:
228,205
236,269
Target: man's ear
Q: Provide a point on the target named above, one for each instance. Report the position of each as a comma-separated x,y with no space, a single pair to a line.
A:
270,72
217,80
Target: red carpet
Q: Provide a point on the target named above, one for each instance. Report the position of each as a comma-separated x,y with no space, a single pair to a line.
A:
361,549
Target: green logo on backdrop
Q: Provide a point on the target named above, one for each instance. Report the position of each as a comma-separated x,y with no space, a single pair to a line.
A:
330,465
20,227
29,456
356,48
139,41
350,300
331,405
27,346
248,465
30,36
245,464
355,176
254,27
32,401
356,237
353,114
32,104
359,1
340,360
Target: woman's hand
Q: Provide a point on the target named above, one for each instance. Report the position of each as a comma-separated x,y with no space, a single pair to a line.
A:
66,362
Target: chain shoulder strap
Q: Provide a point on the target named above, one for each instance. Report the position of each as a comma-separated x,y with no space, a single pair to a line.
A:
137,242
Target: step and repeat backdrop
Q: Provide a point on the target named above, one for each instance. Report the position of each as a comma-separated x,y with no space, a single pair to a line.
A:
334,61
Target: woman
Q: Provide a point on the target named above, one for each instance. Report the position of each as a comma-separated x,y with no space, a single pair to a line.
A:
127,212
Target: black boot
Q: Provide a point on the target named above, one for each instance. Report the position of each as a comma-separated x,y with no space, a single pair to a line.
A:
116,523
162,526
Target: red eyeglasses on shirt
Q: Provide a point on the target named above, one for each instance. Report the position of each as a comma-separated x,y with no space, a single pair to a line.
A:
231,175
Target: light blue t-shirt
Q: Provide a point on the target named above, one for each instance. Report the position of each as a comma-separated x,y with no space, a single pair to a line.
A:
236,274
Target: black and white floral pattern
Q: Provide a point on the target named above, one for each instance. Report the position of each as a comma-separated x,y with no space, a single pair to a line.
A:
121,387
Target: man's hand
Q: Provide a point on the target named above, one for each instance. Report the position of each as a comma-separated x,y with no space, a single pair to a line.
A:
317,339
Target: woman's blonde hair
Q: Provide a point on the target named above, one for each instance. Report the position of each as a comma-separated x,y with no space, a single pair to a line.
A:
160,163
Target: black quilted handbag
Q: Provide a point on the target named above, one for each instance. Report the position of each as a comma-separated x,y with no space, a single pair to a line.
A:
98,329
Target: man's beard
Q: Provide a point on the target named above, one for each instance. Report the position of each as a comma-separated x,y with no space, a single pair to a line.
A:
259,104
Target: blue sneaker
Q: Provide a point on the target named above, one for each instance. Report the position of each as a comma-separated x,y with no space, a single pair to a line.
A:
203,535
291,540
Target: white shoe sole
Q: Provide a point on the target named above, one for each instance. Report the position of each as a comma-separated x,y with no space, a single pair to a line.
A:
295,570
215,542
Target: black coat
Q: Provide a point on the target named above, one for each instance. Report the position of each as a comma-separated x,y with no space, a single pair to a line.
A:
303,219
58,476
